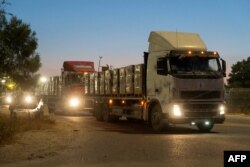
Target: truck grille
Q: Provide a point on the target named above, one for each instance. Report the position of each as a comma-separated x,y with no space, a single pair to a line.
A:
200,110
200,114
200,94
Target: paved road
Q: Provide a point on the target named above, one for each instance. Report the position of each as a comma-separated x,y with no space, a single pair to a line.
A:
133,144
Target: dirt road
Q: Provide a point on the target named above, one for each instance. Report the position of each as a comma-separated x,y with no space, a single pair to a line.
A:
82,141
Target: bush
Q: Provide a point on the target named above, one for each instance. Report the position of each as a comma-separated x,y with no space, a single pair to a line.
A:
238,100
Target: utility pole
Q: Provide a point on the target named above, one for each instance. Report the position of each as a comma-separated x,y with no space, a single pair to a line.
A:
100,58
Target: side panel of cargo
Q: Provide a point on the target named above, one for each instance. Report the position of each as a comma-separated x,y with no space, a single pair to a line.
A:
115,82
102,83
108,82
129,71
53,92
92,84
97,83
138,79
122,80
54,86
87,83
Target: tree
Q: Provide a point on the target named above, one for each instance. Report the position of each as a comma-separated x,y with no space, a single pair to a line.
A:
18,44
240,74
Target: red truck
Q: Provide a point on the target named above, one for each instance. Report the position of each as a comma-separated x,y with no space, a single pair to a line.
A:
66,92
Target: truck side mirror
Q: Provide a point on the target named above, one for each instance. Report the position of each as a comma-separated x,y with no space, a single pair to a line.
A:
223,62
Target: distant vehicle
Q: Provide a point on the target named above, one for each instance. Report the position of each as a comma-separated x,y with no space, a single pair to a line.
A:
7,98
66,92
26,102
180,82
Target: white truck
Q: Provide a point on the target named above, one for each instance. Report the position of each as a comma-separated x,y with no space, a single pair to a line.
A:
180,82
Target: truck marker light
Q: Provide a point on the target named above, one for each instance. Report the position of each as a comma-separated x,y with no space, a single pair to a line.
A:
189,52
110,101
123,101
192,123
142,103
202,52
215,53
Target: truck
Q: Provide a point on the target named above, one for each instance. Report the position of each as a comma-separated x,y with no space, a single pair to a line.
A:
179,82
65,93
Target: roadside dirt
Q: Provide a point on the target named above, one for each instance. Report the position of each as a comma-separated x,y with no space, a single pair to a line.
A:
39,144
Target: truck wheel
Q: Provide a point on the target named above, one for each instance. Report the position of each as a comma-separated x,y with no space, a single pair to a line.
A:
106,115
98,112
156,118
205,128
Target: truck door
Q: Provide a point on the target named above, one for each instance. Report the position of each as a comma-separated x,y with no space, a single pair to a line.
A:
162,82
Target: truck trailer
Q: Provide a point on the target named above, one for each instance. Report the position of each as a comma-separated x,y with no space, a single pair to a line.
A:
179,82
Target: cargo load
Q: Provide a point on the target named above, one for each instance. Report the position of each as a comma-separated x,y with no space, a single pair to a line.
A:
97,83
102,83
138,79
129,72
115,82
108,82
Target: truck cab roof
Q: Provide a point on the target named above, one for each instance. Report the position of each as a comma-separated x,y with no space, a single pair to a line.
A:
166,41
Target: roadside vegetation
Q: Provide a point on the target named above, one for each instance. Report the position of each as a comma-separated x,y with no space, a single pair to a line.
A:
18,45
9,128
238,88
238,100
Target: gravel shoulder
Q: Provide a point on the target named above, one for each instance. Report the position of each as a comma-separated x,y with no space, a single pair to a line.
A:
39,144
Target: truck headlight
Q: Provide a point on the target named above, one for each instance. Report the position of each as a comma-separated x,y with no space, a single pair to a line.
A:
8,99
222,109
28,99
177,110
74,102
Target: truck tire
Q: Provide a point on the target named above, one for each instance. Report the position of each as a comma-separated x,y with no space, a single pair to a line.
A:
98,112
156,120
205,128
106,115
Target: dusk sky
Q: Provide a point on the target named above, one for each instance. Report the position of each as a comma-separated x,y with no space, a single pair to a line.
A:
118,30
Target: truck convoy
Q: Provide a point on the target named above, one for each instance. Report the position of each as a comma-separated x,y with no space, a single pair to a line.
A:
179,82
65,92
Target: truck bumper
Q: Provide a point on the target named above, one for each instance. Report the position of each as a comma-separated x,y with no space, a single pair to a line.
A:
215,120
182,113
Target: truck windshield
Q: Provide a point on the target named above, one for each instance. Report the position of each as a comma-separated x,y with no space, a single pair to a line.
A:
180,65
74,79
